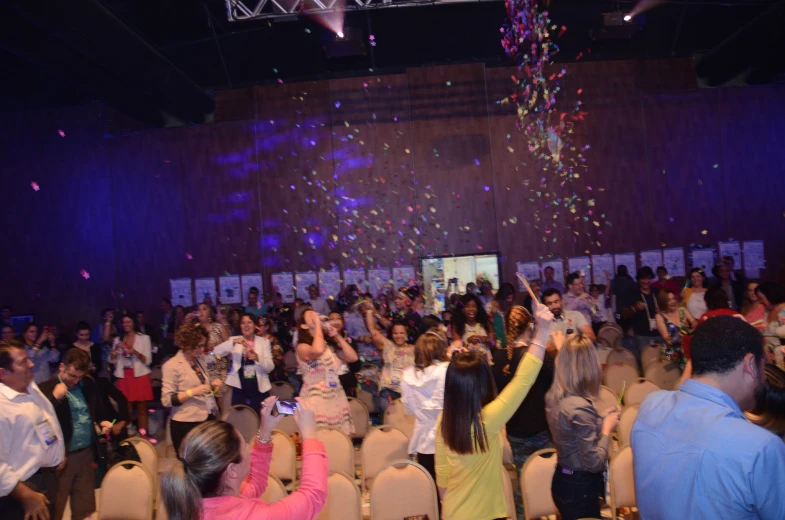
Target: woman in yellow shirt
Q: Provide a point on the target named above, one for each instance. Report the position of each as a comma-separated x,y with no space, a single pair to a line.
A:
469,433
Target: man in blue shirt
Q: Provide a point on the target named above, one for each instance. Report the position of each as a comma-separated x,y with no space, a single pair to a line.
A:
695,454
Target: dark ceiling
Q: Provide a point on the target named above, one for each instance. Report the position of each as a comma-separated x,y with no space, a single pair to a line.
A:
196,38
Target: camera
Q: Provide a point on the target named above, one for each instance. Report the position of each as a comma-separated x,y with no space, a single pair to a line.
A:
286,407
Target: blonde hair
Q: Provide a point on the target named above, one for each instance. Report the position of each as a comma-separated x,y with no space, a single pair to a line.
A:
205,454
577,371
430,348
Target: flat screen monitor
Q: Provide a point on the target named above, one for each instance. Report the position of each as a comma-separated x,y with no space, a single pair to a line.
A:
438,271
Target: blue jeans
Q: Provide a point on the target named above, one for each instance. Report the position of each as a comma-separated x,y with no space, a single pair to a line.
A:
386,396
577,495
522,449
636,344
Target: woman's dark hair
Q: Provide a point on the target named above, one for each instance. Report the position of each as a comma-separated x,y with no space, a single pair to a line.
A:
504,291
82,325
430,321
136,325
720,344
699,271
459,320
249,316
264,321
468,387
28,326
622,271
773,292
716,299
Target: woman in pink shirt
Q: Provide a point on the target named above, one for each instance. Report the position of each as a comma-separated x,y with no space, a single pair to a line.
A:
220,477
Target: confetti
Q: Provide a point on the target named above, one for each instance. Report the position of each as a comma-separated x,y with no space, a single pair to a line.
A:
62,134
85,274
337,104
35,186
477,162
705,232
449,83
487,188
188,256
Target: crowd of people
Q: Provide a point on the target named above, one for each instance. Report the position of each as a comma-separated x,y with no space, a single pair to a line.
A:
491,369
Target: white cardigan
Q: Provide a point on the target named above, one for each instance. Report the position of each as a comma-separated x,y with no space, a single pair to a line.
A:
264,365
141,345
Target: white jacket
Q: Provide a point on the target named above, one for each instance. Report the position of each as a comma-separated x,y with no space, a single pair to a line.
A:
265,364
141,345
422,393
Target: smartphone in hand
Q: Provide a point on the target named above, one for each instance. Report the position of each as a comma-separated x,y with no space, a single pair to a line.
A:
286,407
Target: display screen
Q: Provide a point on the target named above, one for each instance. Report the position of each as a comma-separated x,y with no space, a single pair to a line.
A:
437,273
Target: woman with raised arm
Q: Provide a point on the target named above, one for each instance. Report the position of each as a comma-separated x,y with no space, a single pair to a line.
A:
397,355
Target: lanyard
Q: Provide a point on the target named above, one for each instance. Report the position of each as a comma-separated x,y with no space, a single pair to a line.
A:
198,370
645,304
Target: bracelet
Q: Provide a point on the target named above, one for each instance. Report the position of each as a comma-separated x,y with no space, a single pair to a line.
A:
537,344
189,393
263,441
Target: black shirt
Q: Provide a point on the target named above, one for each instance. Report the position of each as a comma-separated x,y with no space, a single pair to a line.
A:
639,321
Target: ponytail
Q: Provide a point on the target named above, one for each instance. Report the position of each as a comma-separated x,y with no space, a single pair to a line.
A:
179,493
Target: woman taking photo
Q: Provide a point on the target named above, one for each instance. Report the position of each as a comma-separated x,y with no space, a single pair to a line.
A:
335,342
251,360
471,326
41,351
752,309
580,434
219,477
422,394
693,297
674,323
468,437
217,333
320,368
186,388
397,356
131,356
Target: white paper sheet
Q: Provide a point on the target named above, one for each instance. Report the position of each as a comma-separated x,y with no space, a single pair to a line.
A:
378,279
731,248
403,276
580,264
284,284
600,264
230,289
356,277
251,280
204,287
754,257
558,268
652,258
329,284
703,258
626,259
531,270
673,260
182,293
303,280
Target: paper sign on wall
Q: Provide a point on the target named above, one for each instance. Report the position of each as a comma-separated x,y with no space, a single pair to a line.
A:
403,276
181,292
731,248
580,264
704,259
230,289
673,261
283,283
303,280
329,284
355,277
600,265
531,270
377,280
628,260
558,269
753,254
205,288
652,258
251,280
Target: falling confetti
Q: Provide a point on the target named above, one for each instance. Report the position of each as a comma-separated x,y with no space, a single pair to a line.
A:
35,186
477,162
188,256
62,134
337,104
85,274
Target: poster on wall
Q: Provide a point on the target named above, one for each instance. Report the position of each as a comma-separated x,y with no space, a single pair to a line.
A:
283,283
673,260
531,270
377,280
753,254
600,265
355,277
205,288
731,248
329,284
652,258
251,280
303,280
704,259
628,260
230,289
403,276
182,293
558,269
580,264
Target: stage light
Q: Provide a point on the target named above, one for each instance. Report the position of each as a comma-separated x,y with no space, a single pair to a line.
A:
340,34
627,17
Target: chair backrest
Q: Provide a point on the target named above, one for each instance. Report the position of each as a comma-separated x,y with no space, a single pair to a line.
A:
663,373
626,422
156,376
650,352
344,501
275,490
170,452
404,489
126,494
290,361
360,417
340,450
282,390
622,481
284,459
607,399
637,392
245,419
612,333
395,415
536,478
382,446
509,495
616,374
148,455
288,425
619,354
367,399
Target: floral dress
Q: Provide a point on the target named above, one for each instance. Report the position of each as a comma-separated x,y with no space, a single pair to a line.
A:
217,367
674,352
774,338
396,360
323,392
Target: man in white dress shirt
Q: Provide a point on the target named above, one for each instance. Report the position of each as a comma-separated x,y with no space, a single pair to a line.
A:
31,441
319,304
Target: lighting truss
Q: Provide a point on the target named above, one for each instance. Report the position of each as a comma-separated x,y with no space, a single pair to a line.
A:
243,10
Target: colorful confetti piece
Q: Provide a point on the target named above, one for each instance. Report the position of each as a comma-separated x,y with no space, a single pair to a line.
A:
35,186
85,274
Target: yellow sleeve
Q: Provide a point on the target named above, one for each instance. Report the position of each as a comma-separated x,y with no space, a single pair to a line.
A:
440,461
496,413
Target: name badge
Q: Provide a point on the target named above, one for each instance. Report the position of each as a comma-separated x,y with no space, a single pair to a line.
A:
332,378
46,433
249,371
653,324
212,405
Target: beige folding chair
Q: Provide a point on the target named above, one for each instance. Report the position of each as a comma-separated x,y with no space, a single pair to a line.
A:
344,501
149,457
637,392
619,354
607,399
649,352
282,390
626,422
288,425
509,495
395,415
126,494
367,399
536,479
616,374
275,490
382,446
340,450
360,417
283,464
404,489
170,452
622,481
245,419
663,373
611,333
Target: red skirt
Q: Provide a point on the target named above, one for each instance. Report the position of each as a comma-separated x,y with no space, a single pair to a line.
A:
135,388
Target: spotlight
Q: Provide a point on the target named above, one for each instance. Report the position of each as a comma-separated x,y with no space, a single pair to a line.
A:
627,17
340,34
